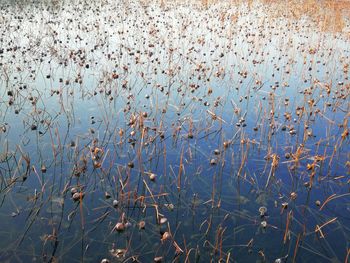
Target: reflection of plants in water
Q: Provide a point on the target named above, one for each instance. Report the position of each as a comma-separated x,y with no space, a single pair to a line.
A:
130,138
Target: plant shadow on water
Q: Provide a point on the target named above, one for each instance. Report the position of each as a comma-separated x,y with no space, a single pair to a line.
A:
172,132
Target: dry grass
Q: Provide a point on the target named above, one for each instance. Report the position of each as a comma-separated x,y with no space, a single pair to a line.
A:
329,15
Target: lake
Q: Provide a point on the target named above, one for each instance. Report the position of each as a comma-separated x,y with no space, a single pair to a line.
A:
143,131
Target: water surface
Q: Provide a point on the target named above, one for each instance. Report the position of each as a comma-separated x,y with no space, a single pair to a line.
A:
189,119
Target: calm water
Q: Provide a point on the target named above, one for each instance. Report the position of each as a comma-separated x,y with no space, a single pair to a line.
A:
188,120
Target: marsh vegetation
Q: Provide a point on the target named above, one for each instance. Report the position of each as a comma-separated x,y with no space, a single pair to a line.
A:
141,131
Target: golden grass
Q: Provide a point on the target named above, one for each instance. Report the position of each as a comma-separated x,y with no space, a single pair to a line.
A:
329,15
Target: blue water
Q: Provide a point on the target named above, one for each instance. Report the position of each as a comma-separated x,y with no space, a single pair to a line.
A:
210,102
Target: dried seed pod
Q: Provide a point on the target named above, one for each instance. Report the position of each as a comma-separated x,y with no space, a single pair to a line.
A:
226,144
120,227
262,211
73,190
165,236
77,196
158,259
152,176
115,203
118,253
284,205
169,206
213,162
142,224
293,195
107,195
43,168
163,220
